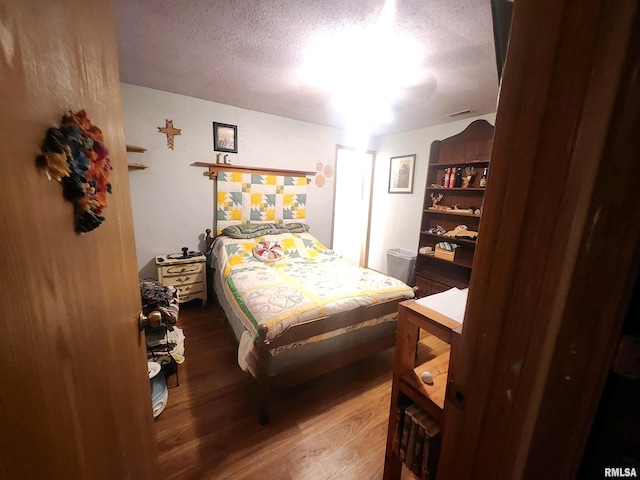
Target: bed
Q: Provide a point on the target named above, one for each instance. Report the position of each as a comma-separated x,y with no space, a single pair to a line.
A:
297,309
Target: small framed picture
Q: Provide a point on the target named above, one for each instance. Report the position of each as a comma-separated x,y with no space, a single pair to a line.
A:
401,174
225,138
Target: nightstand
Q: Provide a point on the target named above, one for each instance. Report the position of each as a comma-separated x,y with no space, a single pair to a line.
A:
187,274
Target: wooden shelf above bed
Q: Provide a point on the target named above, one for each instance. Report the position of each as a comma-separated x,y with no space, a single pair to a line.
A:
214,168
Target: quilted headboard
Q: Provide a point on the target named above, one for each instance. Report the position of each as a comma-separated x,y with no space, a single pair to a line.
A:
256,198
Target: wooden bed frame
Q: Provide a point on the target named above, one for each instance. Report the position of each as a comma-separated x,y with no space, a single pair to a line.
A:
309,329
322,365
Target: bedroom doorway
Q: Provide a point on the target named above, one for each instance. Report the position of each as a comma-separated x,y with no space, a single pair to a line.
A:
352,204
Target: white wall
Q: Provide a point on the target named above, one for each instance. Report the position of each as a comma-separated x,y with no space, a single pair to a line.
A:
395,221
173,202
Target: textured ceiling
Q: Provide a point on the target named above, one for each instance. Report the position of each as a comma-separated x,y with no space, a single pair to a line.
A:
248,54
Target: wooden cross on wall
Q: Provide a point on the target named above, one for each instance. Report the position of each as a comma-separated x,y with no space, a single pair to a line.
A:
170,132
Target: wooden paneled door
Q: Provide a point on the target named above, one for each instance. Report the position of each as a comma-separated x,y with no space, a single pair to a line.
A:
559,246
75,399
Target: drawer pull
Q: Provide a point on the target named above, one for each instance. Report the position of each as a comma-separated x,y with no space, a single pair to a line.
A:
183,279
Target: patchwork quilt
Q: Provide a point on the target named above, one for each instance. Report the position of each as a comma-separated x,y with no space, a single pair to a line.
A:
309,282
246,197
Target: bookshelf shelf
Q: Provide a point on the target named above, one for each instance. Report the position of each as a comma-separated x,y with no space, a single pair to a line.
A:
461,263
444,238
460,213
428,397
454,189
437,165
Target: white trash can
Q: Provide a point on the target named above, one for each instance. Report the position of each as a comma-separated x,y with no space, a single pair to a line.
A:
401,264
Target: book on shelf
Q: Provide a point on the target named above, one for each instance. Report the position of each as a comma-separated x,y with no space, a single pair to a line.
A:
403,403
416,439
406,430
430,449
413,433
416,465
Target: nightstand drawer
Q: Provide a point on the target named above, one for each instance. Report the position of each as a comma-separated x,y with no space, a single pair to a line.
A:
188,297
183,279
191,289
185,268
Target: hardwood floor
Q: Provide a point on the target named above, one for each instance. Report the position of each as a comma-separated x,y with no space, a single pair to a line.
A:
333,427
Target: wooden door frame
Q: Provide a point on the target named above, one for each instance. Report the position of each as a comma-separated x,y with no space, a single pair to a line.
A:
558,251
364,248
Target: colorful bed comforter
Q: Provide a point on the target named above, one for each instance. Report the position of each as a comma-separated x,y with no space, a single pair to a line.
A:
310,281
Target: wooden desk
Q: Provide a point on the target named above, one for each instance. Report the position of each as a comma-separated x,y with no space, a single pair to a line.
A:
429,320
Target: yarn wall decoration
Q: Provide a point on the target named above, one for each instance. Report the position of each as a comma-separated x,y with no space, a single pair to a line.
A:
75,155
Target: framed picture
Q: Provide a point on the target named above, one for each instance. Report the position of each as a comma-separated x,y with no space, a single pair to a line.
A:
401,174
225,138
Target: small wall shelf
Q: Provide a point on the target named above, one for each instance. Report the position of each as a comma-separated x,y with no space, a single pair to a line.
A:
136,149
136,166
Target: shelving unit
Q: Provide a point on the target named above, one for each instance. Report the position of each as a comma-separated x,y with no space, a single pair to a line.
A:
470,148
407,386
136,149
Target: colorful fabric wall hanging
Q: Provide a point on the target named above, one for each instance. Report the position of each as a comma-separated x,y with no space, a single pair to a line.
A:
75,155
252,198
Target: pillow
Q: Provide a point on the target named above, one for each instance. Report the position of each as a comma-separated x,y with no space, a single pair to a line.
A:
249,230
294,227
268,251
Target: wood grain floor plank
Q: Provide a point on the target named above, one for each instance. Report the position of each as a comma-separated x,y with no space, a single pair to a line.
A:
333,427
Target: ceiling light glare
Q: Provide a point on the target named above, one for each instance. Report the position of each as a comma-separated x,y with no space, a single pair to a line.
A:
358,138
364,69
